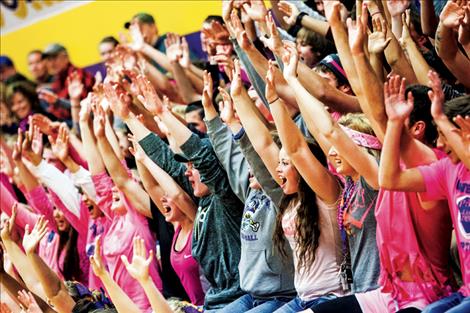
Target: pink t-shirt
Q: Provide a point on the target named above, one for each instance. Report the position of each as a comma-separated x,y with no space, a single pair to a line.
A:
187,269
118,240
445,180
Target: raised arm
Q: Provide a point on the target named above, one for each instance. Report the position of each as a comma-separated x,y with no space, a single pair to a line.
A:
18,257
442,122
419,64
360,160
92,155
292,14
446,43
55,290
429,20
167,184
256,130
322,182
372,100
133,191
120,299
139,270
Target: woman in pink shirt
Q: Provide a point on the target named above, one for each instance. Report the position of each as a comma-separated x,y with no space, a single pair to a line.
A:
178,208
128,204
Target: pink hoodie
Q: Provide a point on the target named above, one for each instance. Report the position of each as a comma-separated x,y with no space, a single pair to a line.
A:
118,241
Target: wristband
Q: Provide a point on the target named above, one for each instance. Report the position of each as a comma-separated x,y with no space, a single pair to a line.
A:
298,20
271,102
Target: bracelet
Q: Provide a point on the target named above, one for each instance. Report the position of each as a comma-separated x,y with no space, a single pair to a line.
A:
298,20
273,101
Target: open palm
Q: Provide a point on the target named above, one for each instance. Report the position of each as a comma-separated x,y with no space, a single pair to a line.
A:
31,239
139,268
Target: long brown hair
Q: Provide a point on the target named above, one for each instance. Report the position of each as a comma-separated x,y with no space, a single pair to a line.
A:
307,221
71,268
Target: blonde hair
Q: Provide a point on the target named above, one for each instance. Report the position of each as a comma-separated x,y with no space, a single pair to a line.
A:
359,122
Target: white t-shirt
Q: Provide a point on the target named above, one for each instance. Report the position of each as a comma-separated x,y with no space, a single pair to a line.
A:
322,277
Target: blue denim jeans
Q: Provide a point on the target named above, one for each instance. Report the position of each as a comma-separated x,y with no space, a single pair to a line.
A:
248,303
298,304
455,303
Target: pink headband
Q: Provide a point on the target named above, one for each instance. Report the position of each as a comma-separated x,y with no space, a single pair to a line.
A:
361,139
338,67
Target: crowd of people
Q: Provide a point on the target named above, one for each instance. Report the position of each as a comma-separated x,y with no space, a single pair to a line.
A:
317,159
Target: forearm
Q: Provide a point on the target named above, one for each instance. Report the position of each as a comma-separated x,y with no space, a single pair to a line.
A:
75,111
28,180
429,20
171,188
397,26
372,104
184,85
14,287
315,25
120,299
112,138
157,301
397,60
418,63
92,155
157,56
61,185
115,169
22,265
177,129
389,170
194,75
342,45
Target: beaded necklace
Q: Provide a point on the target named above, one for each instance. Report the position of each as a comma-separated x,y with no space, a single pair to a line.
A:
349,192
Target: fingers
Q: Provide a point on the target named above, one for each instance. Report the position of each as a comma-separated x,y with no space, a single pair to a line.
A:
125,261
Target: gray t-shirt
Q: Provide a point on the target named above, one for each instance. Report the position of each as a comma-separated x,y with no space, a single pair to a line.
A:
360,224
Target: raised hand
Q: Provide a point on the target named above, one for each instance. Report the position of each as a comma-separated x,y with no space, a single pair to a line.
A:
137,38
332,10
85,108
74,85
256,10
405,33
227,112
291,60
139,268
99,119
207,92
464,28
9,224
47,95
271,94
96,261
452,14
174,51
46,126
227,7
60,145
242,37
149,96
119,100
226,62
32,145
274,42
28,300
236,85
291,12
436,95
31,239
397,7
4,308
136,150
396,106
185,60
378,40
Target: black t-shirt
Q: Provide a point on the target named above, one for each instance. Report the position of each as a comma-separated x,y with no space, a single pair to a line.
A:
172,286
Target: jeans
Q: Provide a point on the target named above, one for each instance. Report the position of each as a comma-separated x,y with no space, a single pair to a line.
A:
248,303
455,303
298,304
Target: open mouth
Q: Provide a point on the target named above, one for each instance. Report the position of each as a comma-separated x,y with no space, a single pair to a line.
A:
166,209
283,181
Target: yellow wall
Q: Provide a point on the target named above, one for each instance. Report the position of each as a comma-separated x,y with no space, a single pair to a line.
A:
81,28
